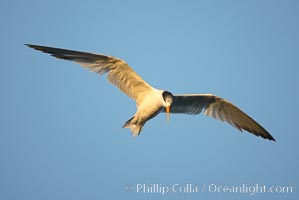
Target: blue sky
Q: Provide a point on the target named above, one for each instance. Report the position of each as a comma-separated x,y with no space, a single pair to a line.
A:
61,135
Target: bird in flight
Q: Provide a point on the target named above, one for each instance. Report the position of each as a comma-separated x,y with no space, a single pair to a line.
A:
151,101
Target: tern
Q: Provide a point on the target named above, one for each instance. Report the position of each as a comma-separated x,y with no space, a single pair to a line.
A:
151,101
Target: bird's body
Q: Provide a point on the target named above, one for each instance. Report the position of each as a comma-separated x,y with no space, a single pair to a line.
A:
151,101
150,107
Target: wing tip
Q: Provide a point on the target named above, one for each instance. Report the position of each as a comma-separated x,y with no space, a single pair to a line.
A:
265,135
37,47
269,137
31,45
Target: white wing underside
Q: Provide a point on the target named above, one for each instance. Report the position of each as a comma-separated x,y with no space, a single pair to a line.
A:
118,71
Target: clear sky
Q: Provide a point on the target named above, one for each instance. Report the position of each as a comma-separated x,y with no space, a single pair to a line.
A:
61,135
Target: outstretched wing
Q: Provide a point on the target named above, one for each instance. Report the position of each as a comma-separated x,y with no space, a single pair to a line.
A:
218,108
119,72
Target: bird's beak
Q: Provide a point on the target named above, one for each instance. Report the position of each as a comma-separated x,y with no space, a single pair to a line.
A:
167,113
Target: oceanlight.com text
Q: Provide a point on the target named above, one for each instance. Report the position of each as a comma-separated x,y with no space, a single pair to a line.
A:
190,188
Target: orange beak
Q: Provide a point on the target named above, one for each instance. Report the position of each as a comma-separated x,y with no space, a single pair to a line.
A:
167,113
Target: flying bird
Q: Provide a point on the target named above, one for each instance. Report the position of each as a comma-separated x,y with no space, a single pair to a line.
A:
151,101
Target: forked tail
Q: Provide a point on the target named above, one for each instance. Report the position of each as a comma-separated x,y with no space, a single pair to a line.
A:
133,126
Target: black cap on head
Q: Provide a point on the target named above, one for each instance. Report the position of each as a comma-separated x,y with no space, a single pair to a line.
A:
166,94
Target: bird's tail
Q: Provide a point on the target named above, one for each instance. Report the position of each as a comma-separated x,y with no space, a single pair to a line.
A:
133,126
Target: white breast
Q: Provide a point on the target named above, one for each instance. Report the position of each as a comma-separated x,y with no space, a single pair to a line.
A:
150,106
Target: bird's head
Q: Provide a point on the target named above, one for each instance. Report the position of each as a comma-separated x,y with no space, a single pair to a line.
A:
168,98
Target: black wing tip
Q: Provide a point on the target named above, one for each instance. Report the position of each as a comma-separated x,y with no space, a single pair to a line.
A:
32,45
55,52
36,47
29,45
266,135
270,137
